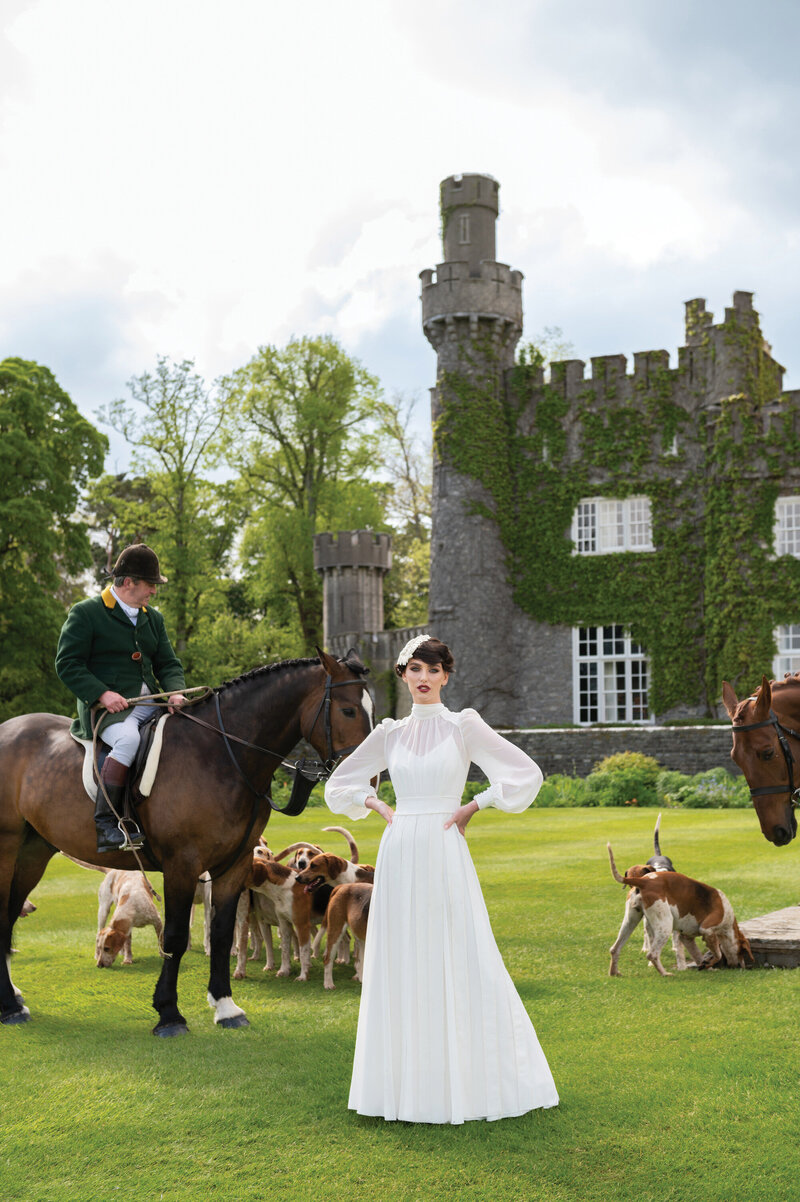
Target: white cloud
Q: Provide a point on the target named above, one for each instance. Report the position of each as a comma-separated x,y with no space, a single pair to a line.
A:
196,179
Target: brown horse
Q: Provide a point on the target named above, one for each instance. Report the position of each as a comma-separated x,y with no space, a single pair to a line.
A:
206,810
765,734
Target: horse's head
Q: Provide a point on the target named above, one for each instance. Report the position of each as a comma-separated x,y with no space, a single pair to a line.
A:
338,713
762,750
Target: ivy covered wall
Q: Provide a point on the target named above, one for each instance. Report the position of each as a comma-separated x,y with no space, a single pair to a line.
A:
712,443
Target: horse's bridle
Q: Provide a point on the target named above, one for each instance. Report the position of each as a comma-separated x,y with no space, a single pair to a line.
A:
781,731
332,758
308,772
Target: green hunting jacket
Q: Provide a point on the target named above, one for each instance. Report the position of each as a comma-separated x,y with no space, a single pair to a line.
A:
96,650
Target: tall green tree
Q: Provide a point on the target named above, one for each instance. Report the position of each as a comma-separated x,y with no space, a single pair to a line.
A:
304,437
48,451
173,421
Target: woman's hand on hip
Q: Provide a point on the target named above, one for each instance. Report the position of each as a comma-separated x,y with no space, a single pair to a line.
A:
461,817
380,807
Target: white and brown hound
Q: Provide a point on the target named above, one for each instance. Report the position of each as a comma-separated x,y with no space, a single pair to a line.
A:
674,902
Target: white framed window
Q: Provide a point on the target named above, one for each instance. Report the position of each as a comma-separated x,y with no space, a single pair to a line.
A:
787,526
463,229
610,676
787,639
601,525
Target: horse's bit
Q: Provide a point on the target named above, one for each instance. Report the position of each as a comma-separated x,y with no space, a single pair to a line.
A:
781,731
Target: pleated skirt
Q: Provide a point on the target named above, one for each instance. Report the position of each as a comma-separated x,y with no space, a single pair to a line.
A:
443,1036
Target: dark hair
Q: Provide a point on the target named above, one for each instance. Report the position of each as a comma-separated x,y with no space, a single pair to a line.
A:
433,651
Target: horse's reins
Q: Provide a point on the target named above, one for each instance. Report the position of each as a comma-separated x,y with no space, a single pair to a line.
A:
781,731
313,771
316,770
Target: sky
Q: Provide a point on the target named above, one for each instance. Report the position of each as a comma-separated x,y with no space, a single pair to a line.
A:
197,179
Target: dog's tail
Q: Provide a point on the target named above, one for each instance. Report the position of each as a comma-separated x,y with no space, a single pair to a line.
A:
656,844
83,864
614,873
294,847
632,882
340,830
745,951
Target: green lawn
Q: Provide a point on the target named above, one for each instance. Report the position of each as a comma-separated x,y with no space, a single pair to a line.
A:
684,1088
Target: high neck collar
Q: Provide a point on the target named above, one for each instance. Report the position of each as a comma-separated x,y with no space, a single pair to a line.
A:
431,710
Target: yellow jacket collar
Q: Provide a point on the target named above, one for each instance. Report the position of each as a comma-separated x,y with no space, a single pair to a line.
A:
109,600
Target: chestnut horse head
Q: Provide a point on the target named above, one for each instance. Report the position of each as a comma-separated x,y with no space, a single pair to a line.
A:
766,746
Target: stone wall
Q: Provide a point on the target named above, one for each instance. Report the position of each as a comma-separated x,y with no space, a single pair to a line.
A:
575,750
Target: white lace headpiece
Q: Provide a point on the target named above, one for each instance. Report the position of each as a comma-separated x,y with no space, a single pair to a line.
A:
409,649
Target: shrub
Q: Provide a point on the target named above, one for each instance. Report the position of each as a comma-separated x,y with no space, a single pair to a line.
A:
715,789
667,785
623,779
560,790
386,792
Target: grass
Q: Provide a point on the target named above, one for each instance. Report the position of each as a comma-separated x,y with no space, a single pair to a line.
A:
671,1090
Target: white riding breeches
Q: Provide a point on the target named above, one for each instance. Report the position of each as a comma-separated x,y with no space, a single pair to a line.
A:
123,737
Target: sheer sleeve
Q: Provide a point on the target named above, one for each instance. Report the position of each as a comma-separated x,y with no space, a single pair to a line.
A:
349,785
514,778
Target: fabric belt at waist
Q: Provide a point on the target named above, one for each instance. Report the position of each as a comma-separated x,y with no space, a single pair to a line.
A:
426,805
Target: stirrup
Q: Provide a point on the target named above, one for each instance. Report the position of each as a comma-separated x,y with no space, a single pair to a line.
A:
134,839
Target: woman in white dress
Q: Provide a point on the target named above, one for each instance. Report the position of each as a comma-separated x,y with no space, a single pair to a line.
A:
443,1036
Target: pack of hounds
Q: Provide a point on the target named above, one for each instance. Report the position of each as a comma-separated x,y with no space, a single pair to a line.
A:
673,904
313,896
319,895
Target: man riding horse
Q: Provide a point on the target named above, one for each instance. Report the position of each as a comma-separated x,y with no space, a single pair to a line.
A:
114,646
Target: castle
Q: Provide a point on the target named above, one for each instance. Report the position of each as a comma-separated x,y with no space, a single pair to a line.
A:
606,546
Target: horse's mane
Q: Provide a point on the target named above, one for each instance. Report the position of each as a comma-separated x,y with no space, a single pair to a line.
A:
790,680
350,661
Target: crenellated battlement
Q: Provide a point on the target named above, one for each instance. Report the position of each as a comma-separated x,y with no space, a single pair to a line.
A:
452,294
608,379
457,272
353,549
352,564
716,361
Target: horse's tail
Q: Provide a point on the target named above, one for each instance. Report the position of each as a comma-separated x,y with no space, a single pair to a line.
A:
656,845
83,864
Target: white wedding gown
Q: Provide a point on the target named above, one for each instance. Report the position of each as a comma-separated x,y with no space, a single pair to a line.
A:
443,1036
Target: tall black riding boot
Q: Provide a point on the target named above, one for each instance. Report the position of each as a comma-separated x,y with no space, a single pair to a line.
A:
109,836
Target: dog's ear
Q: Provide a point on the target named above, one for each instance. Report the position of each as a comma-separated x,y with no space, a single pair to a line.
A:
258,873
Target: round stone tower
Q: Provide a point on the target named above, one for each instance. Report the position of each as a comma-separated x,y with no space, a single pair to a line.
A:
471,300
353,565
472,317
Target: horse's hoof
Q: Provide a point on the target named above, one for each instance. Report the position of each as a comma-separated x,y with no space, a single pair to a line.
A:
12,1018
236,1020
169,1029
